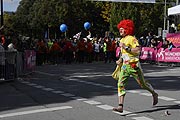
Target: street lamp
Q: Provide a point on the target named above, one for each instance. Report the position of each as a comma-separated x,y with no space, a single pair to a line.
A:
177,2
165,15
2,21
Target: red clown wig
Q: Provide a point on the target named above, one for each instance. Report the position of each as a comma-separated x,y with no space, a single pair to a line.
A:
128,26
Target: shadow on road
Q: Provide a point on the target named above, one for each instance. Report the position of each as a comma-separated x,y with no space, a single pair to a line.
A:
17,95
157,108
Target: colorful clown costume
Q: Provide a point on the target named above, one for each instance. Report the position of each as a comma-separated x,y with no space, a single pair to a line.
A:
130,50
131,66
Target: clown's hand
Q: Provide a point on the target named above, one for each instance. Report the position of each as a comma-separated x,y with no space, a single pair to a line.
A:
122,45
119,62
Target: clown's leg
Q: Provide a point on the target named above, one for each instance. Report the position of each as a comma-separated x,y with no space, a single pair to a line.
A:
138,75
121,91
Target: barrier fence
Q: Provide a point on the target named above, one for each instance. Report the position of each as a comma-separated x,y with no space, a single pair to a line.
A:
160,55
8,65
29,60
14,64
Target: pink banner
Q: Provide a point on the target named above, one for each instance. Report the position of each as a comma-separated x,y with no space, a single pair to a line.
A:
167,55
30,59
148,53
174,38
162,55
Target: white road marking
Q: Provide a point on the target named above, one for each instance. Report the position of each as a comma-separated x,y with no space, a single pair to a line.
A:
34,111
47,89
114,88
146,94
79,98
97,84
108,86
91,83
39,86
141,118
32,84
178,102
82,81
166,98
131,114
169,80
24,82
123,113
58,92
81,76
68,95
133,91
105,107
73,79
92,102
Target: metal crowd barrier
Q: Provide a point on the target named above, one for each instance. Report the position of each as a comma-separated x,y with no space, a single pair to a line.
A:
15,64
8,65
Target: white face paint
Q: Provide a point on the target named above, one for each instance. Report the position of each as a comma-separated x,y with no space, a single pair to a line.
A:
122,32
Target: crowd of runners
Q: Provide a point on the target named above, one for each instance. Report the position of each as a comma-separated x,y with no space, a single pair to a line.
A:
76,50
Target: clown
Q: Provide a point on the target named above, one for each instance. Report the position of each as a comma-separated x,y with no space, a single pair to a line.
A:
130,50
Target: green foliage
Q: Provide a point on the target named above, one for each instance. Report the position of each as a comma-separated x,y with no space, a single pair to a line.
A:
145,16
8,21
34,17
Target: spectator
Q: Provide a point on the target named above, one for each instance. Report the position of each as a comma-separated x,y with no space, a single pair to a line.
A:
153,43
170,45
2,60
68,52
96,50
148,39
159,42
11,46
165,45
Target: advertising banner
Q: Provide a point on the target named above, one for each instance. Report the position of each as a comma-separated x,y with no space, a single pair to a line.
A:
30,59
148,53
135,1
161,55
167,55
174,38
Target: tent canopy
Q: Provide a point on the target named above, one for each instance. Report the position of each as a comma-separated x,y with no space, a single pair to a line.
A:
174,10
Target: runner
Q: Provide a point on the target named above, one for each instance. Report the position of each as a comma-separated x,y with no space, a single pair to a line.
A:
130,50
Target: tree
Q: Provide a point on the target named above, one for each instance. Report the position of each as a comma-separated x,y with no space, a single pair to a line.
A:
145,16
35,17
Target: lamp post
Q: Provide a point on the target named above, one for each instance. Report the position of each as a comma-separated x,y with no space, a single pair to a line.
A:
177,2
164,14
2,21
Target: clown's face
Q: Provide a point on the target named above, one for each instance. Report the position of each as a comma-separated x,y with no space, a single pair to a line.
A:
122,32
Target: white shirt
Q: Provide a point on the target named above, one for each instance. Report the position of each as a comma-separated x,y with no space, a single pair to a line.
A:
11,47
96,47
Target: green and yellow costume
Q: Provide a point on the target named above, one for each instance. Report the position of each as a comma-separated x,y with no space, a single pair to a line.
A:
131,66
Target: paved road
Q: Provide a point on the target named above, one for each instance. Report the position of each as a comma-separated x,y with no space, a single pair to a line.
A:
87,92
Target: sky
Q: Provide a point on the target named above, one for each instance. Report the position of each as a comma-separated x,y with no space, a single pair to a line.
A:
10,5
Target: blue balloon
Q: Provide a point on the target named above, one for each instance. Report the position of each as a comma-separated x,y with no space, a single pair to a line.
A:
63,27
87,25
